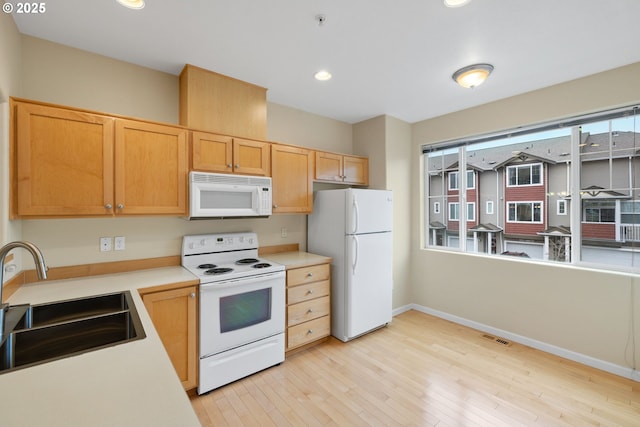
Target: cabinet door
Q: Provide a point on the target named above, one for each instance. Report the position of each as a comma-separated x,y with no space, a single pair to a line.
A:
151,168
292,174
251,157
211,152
356,170
64,162
328,167
173,313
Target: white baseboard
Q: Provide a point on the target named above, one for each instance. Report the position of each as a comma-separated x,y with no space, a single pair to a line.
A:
622,371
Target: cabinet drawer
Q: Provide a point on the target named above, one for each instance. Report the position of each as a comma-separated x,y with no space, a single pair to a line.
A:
306,292
299,276
308,332
309,310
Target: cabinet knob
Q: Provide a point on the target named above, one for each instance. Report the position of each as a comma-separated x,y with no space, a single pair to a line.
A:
275,206
310,311
192,295
237,165
310,331
108,206
310,274
229,165
120,206
310,291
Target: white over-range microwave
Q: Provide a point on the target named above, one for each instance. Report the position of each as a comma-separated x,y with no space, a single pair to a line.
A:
217,195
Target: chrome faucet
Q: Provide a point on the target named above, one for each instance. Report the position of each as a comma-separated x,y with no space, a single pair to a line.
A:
41,270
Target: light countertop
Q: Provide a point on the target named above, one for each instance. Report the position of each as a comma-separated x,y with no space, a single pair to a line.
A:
130,384
298,259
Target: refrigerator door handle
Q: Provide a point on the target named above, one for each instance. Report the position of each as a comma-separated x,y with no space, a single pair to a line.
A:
355,253
356,214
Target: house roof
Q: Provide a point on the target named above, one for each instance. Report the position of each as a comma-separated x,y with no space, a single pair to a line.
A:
486,228
551,150
558,230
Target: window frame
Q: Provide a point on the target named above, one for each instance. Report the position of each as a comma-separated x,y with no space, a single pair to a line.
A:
561,211
525,166
523,202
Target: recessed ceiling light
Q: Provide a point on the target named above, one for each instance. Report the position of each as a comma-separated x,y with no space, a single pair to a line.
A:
322,75
132,4
472,75
455,3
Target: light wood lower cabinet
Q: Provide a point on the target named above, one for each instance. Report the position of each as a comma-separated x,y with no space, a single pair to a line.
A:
173,310
308,305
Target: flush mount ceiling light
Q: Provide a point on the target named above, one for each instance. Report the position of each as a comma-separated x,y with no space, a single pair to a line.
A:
132,4
455,3
472,75
322,75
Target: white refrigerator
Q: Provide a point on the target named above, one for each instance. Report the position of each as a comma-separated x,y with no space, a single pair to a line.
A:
354,227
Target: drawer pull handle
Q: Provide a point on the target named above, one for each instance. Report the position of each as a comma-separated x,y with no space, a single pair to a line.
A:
310,291
310,331
309,274
310,311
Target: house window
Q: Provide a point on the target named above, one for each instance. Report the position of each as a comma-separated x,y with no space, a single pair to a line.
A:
523,175
455,185
561,207
489,207
436,207
524,212
630,212
599,211
454,211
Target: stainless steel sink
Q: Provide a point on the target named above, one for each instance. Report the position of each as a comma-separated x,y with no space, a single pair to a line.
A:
61,329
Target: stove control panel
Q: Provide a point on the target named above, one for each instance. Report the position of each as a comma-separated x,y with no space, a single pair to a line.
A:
211,243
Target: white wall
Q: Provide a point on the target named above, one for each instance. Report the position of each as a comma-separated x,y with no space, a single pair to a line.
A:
10,83
590,313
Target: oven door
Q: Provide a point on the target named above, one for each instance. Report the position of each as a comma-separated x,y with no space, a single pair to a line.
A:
240,311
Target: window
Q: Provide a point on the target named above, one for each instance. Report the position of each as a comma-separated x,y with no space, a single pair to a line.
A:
524,175
585,168
453,180
561,207
454,211
597,211
524,211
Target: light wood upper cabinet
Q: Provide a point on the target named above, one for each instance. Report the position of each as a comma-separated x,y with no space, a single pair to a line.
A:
225,154
251,157
151,168
63,162
173,311
292,171
211,152
356,170
216,103
74,163
339,168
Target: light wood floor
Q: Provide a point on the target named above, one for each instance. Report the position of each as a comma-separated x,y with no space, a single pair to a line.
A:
423,371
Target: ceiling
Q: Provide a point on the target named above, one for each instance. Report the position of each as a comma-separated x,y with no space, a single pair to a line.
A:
386,57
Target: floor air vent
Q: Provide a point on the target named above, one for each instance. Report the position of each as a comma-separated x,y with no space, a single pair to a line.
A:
498,340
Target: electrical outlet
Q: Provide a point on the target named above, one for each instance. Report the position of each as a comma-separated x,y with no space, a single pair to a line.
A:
105,244
119,243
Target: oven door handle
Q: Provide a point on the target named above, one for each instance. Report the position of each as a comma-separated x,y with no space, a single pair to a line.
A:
244,281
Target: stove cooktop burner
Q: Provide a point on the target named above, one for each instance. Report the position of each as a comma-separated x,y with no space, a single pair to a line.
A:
247,261
207,266
220,270
262,265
